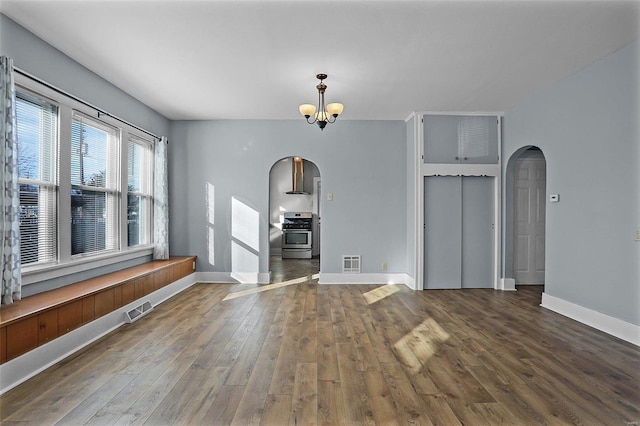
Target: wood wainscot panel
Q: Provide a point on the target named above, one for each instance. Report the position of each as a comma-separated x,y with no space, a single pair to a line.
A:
22,336
3,345
69,317
169,275
47,326
104,302
139,288
147,284
160,278
117,297
128,292
88,309
185,268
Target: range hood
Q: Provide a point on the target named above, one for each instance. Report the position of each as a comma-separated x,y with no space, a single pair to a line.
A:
297,177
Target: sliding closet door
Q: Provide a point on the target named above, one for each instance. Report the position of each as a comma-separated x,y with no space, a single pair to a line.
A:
442,233
477,231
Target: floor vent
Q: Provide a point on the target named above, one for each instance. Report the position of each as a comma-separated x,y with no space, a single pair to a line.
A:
138,312
351,264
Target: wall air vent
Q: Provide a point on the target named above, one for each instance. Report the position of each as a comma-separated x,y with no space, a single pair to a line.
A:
351,264
138,312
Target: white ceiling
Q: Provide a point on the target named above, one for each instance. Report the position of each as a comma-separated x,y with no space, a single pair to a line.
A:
258,59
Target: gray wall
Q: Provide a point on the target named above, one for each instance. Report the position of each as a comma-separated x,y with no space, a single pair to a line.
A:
40,59
361,162
587,127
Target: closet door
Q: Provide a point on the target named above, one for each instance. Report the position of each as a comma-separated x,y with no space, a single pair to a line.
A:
477,231
442,232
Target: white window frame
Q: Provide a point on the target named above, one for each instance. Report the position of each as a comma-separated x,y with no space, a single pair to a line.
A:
112,189
146,187
45,226
67,264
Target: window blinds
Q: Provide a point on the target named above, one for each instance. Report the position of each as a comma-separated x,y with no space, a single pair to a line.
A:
36,131
94,183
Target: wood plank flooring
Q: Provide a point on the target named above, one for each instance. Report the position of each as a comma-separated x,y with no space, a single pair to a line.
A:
280,354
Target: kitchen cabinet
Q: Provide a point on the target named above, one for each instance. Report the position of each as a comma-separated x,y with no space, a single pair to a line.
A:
460,139
458,232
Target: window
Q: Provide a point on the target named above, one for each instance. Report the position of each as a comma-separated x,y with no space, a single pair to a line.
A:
94,186
37,135
86,182
139,191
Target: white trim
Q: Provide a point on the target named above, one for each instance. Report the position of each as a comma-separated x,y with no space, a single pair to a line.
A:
22,368
419,203
433,169
81,264
410,282
608,324
410,116
506,284
463,113
366,278
233,278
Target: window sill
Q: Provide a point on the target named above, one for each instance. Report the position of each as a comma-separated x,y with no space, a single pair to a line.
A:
35,274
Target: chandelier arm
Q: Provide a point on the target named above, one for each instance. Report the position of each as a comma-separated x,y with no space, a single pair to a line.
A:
320,103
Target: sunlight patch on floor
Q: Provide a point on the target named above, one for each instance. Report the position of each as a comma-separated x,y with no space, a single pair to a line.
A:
416,347
380,293
268,287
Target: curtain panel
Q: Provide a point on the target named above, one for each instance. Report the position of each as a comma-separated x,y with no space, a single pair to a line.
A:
160,201
11,277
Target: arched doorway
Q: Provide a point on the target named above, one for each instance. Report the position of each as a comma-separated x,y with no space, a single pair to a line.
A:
526,217
294,196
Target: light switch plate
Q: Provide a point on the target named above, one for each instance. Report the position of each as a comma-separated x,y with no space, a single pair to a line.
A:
554,198
330,196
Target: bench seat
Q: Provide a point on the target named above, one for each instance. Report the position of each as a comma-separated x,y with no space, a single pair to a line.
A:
38,319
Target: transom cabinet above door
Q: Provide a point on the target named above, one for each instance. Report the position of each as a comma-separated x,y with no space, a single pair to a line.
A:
461,139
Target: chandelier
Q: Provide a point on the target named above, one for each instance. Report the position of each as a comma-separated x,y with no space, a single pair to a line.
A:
322,114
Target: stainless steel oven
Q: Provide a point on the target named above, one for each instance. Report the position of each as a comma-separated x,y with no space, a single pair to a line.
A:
297,235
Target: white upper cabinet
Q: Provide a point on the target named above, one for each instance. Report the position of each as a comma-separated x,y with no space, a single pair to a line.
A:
461,139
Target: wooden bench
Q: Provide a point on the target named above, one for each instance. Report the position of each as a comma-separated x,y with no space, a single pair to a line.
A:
38,319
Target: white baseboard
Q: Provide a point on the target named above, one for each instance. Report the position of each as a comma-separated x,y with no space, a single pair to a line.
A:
22,368
366,278
608,324
233,278
410,282
507,284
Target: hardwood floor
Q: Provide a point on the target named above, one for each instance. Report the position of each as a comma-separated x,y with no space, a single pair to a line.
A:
370,354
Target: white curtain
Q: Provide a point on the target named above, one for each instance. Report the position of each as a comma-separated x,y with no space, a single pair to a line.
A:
160,202
10,205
